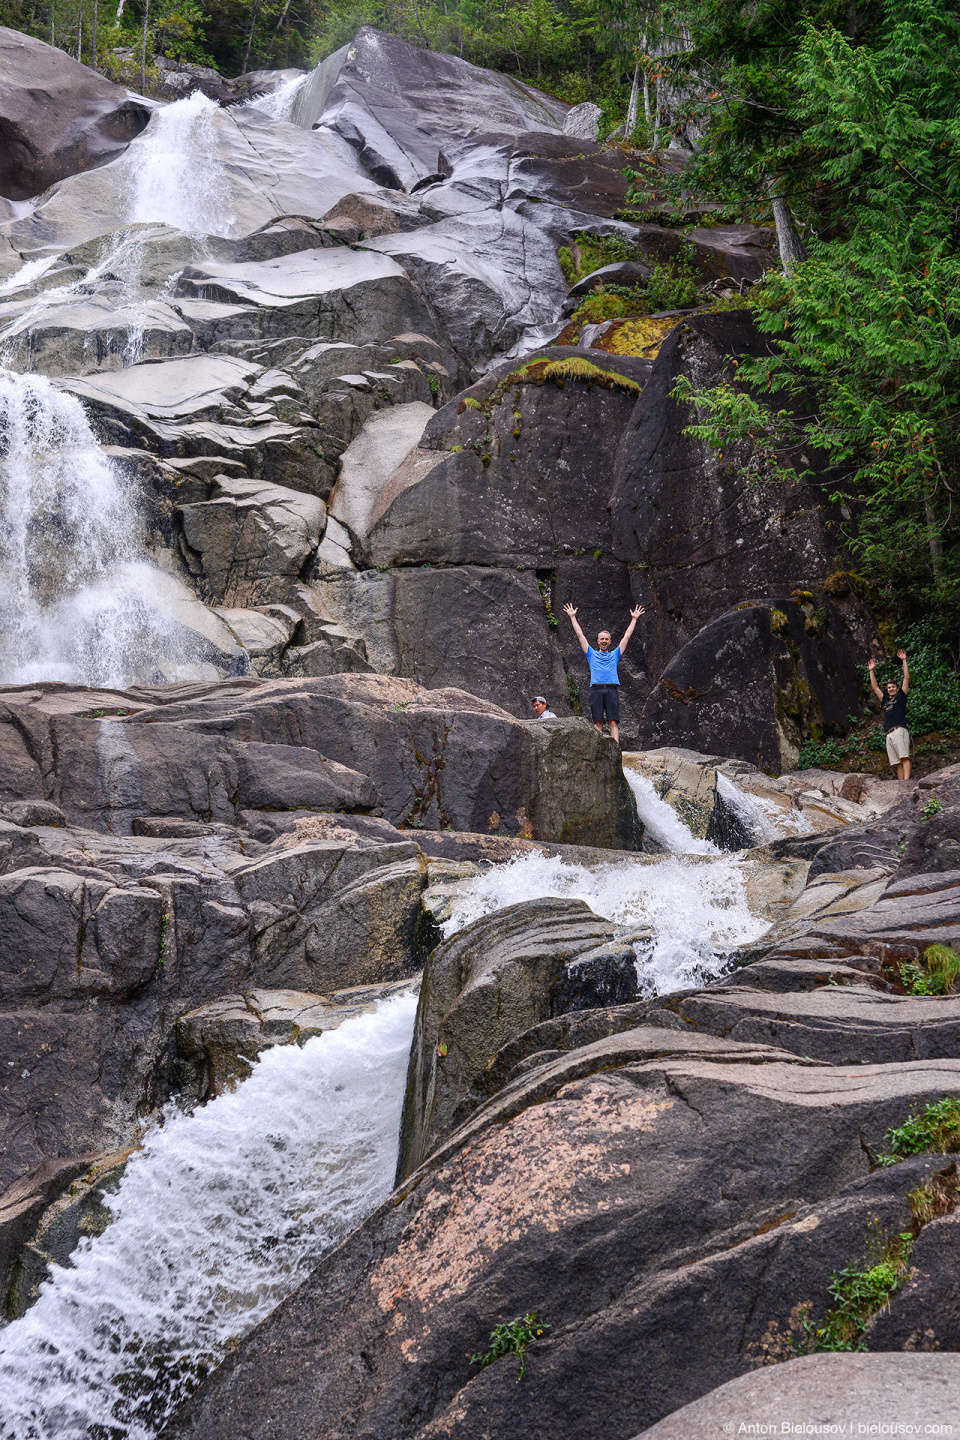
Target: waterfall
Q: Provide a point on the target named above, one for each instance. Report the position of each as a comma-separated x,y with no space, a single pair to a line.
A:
758,821
221,1215
78,602
278,104
692,909
661,822
177,169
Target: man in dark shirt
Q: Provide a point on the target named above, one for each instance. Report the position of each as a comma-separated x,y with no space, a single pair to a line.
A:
894,707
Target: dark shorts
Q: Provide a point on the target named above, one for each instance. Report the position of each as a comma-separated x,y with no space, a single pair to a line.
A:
605,703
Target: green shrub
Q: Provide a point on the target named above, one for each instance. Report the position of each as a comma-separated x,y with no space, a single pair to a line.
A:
672,285
859,1294
936,973
610,304
513,1338
937,1128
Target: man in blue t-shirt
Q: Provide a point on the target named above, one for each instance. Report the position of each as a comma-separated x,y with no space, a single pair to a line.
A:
604,679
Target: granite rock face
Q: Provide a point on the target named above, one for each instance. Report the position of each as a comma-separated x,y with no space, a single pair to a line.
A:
286,303
57,117
881,1390
352,743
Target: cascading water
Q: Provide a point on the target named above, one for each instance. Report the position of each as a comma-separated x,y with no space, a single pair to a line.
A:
279,103
691,905
661,822
221,1215
80,600
693,908
177,174
77,600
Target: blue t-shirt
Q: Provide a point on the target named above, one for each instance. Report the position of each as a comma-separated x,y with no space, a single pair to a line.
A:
603,666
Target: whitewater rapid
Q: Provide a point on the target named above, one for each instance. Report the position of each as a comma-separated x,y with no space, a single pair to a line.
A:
683,912
219,1217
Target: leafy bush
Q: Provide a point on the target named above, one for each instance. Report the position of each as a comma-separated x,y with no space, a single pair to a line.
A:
859,1294
936,973
513,1338
606,304
673,285
937,1128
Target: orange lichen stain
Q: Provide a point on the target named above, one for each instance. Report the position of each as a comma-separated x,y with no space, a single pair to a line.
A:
540,1172
494,822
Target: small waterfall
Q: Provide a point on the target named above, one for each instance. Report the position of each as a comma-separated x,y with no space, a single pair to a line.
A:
220,1216
78,602
757,821
693,907
661,821
177,170
278,104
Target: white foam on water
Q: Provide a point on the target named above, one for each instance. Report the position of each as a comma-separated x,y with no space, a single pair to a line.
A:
661,822
220,1216
29,271
179,177
695,907
78,600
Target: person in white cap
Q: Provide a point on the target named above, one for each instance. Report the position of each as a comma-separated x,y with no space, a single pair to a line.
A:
540,709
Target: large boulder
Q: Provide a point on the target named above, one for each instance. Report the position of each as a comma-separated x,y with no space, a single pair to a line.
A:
57,117
888,1394
396,103
755,682
501,975
514,476
430,759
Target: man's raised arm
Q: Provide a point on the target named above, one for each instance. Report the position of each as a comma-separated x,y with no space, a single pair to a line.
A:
905,685
634,617
584,642
872,667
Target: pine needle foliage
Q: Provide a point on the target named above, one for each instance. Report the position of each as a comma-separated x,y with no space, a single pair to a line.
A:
863,368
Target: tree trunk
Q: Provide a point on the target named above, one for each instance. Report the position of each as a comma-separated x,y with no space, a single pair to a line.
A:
632,107
93,42
933,539
143,46
253,21
646,79
792,251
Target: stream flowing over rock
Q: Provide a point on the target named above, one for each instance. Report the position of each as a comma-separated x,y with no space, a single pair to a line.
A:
349,1012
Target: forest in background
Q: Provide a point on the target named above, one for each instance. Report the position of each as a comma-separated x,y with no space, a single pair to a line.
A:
838,119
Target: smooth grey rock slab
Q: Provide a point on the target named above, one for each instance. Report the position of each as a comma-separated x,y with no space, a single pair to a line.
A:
826,1390
397,103
369,461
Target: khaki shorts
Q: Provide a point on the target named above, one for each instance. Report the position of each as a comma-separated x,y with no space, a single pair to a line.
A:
899,745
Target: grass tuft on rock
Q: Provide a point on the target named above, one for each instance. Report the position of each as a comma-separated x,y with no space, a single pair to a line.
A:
935,975
937,1128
